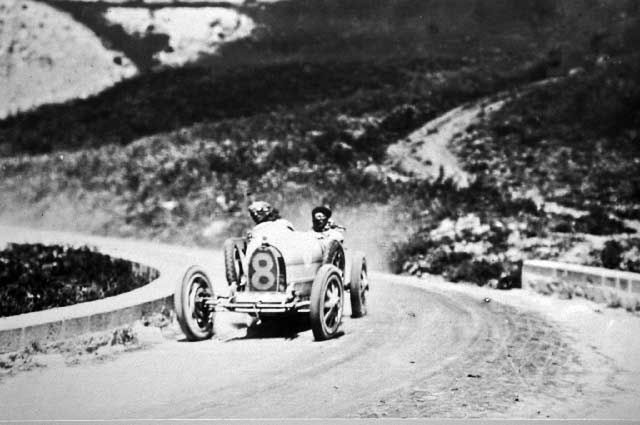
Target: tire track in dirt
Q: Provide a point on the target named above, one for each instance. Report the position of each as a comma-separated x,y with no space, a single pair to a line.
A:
423,351
350,369
501,367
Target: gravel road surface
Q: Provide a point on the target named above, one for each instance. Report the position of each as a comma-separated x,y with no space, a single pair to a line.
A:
427,349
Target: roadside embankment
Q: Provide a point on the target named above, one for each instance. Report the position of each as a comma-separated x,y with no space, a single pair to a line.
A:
161,265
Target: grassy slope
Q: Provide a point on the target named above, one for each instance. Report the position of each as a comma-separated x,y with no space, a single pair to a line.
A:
312,152
303,51
586,129
296,112
575,141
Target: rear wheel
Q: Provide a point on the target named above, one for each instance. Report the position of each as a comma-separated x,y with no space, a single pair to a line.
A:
190,302
359,285
334,254
327,301
233,247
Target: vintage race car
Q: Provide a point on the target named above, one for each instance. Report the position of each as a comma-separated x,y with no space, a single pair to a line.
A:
277,271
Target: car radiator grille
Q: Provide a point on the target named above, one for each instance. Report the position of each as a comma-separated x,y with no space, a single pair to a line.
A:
266,270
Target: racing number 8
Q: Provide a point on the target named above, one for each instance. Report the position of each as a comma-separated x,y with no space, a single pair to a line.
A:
263,277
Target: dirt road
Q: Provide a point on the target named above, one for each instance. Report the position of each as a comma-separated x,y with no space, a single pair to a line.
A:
420,343
427,349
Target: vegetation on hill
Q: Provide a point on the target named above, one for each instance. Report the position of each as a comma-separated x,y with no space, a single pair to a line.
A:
308,51
36,277
171,99
621,255
576,140
306,108
172,185
572,141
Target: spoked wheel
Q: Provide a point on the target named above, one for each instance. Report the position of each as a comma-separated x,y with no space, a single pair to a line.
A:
327,301
334,254
359,285
190,302
233,249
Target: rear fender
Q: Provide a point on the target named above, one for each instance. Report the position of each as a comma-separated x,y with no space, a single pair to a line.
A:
348,264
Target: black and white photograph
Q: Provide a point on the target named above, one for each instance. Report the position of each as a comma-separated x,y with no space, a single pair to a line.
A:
310,210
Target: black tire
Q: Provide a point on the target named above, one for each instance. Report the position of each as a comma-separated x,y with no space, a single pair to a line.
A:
334,254
232,263
195,319
327,302
359,285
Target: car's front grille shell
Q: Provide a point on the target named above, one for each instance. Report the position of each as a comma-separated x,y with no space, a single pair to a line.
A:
267,270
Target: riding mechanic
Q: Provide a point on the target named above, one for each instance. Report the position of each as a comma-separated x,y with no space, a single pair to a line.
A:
323,226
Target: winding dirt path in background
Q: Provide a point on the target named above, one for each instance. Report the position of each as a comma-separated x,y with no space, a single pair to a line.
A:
427,349
425,151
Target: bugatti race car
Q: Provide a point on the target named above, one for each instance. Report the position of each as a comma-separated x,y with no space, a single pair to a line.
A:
277,271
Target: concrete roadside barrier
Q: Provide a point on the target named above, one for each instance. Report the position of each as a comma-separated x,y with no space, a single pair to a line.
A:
614,288
65,322
162,265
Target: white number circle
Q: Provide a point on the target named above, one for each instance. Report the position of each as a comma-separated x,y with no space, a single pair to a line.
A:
263,277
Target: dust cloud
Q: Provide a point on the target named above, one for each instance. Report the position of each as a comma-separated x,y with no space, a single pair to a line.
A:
371,228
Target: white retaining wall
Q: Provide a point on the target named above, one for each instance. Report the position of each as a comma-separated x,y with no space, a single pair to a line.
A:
93,316
536,273
162,265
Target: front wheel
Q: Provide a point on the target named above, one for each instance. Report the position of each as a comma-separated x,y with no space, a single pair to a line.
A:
327,301
359,285
190,302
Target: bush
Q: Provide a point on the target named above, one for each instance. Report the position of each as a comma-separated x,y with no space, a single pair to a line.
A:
611,254
598,222
36,277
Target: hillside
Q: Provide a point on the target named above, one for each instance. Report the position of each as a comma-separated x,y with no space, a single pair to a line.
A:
304,109
568,147
321,150
48,57
297,51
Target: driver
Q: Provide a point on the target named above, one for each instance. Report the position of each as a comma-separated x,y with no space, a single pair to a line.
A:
324,226
263,212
